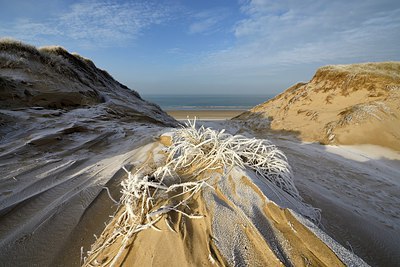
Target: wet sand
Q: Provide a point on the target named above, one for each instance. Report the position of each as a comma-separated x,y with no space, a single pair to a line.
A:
204,114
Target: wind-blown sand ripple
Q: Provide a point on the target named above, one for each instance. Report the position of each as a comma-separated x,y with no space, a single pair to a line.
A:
51,183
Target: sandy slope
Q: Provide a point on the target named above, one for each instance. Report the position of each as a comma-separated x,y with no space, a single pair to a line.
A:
356,187
360,201
52,78
342,104
247,222
66,127
358,190
50,176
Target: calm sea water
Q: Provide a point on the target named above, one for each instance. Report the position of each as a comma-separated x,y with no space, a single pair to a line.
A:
209,102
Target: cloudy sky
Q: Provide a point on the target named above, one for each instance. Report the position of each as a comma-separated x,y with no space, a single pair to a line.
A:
210,46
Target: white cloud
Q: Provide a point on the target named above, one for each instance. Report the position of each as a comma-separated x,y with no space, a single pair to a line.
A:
29,30
208,21
109,22
289,32
94,23
175,51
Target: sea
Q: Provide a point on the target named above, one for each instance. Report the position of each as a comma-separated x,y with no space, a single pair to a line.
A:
207,102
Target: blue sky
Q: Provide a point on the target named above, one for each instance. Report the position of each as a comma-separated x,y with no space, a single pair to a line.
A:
210,46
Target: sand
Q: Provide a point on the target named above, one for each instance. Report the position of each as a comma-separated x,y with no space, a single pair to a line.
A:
204,114
350,104
61,161
66,128
246,223
356,187
247,203
52,199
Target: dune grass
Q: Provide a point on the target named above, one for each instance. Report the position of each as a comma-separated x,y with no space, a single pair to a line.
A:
9,44
390,69
196,150
16,53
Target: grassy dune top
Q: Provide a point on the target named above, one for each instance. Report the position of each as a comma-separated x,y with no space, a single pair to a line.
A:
11,45
390,69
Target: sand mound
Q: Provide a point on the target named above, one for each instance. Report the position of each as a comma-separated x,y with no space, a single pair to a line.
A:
342,104
52,78
239,219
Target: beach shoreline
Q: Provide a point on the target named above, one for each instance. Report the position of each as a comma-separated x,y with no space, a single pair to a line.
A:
204,114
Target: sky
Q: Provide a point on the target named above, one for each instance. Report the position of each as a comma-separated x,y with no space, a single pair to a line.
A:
210,46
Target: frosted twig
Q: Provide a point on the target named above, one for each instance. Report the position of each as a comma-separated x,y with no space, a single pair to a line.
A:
109,195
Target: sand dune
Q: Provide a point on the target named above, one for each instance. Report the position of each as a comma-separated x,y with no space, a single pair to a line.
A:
70,133
52,78
356,105
50,177
247,221
356,188
342,104
66,129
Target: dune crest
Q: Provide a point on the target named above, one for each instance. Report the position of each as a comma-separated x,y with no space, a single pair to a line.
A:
341,104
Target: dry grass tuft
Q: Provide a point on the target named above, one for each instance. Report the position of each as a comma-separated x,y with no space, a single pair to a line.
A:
385,69
147,197
145,200
16,54
196,150
9,44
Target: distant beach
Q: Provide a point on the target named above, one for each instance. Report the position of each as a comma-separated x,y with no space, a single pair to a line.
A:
206,107
204,114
